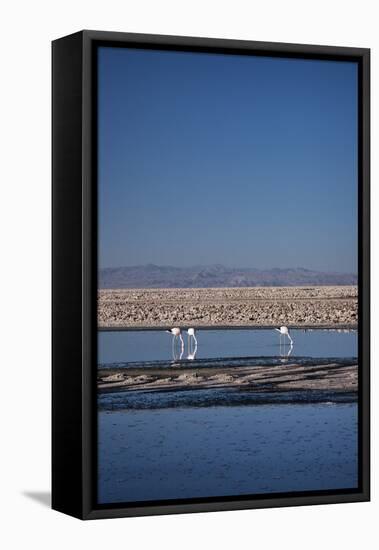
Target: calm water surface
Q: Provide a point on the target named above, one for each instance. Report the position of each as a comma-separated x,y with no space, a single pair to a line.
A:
218,451
129,346
188,444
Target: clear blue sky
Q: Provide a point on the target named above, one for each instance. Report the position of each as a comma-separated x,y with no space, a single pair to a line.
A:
237,160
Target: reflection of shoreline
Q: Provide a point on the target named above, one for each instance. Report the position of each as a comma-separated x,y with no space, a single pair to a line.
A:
341,376
229,307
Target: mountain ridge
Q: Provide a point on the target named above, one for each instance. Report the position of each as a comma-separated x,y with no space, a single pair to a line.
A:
216,276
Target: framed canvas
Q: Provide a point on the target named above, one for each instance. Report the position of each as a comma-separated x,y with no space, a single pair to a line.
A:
210,275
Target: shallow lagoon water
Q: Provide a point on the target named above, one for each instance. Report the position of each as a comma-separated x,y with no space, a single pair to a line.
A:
201,443
220,451
211,397
128,346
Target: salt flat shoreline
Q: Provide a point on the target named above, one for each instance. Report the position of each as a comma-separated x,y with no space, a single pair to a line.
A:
143,328
253,307
289,376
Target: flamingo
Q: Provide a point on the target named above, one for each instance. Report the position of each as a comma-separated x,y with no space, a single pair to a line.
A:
191,332
176,332
284,331
191,353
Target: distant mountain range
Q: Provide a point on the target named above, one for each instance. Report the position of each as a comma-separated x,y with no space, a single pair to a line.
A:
216,276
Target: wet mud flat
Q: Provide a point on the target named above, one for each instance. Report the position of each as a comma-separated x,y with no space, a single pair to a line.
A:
332,376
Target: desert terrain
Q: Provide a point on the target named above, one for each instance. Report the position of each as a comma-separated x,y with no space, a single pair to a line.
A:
317,306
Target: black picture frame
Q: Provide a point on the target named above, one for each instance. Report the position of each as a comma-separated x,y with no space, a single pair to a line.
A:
74,269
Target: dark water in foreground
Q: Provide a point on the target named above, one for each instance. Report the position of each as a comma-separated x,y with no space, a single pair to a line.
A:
224,442
211,397
219,451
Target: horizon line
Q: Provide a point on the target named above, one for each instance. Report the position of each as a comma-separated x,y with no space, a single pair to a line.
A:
192,266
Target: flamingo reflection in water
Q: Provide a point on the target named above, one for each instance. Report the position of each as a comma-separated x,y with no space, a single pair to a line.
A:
285,355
